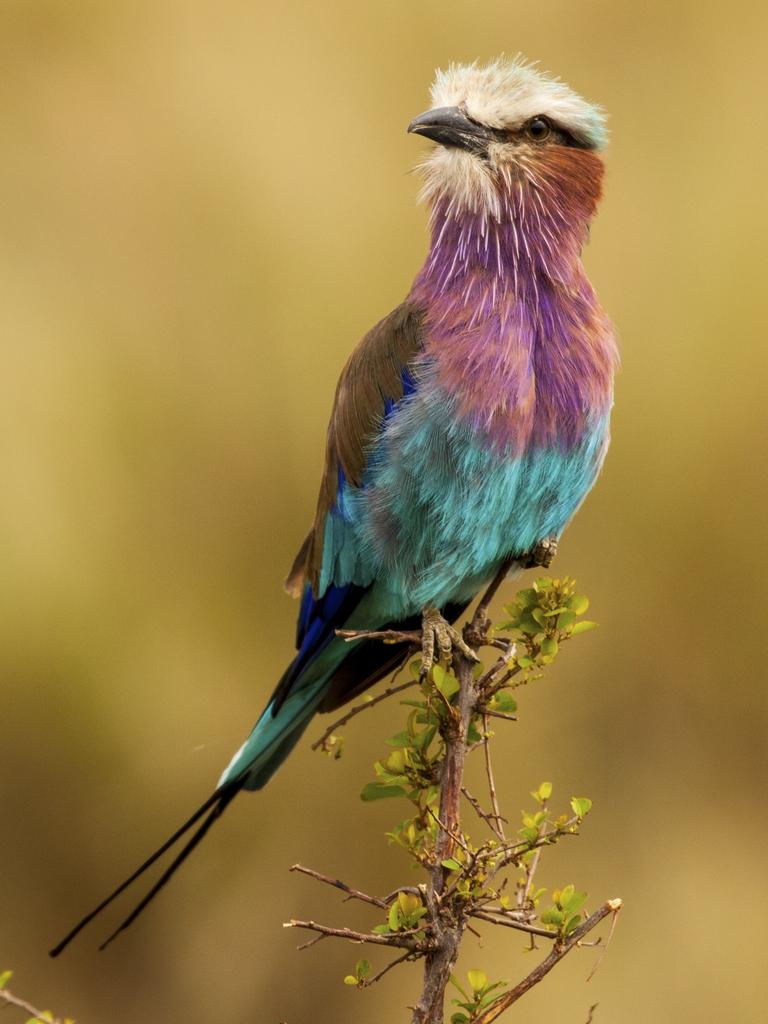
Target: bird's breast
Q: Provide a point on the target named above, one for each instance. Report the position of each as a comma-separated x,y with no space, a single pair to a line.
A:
443,506
532,372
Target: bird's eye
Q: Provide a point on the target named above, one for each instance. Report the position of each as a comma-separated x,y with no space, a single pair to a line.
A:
538,129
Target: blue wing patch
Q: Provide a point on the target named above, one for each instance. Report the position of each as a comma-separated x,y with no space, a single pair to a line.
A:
319,617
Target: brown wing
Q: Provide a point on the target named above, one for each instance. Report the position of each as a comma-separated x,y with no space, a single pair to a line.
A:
373,375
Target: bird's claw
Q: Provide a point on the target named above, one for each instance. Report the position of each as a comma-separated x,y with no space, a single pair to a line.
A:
438,634
541,554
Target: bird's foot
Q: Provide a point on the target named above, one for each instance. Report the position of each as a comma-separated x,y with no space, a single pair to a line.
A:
540,555
439,635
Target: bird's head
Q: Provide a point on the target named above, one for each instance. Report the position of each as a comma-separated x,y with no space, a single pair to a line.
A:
506,127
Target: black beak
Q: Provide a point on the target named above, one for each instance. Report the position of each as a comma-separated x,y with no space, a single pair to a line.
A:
450,126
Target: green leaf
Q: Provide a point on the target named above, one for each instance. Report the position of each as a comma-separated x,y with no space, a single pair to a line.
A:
525,599
581,805
393,919
375,791
350,980
574,902
552,916
473,735
457,984
565,894
459,1018
491,994
549,646
578,604
400,739
573,924
408,903
529,625
395,763
565,620
477,980
5,977
446,682
451,863
505,702
583,627
422,739
362,969
381,929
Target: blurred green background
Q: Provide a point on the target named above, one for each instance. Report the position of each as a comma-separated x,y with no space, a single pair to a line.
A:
204,205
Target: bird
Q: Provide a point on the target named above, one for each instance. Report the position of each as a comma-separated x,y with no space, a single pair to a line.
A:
467,426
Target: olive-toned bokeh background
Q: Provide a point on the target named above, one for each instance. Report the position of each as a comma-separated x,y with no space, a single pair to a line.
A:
204,205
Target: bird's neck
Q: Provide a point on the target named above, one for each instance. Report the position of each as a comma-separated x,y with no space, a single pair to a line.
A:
514,333
533,235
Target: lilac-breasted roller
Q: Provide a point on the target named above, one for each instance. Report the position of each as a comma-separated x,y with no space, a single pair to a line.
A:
468,425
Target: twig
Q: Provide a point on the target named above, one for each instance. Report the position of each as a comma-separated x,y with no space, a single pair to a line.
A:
399,960
455,837
514,851
530,872
357,708
604,950
500,714
541,970
485,816
312,942
510,652
403,939
481,614
38,1015
491,782
509,922
388,636
338,884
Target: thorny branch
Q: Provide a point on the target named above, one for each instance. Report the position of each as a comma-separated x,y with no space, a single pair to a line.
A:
541,970
447,909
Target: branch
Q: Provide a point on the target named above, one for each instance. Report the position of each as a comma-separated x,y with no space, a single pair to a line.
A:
389,692
403,939
458,893
500,714
485,816
499,828
481,613
510,922
387,636
37,1015
439,964
399,960
542,970
353,894
513,851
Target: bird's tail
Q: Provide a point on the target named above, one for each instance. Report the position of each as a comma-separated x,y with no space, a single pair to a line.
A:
270,742
212,809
